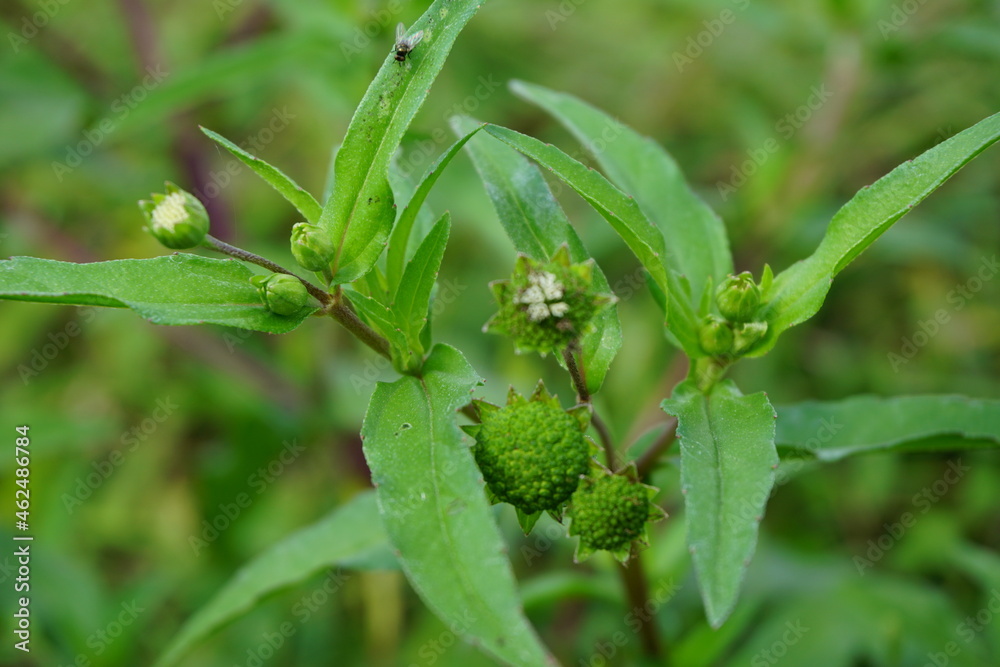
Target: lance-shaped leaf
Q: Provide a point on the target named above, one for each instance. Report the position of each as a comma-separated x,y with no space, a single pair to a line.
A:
277,179
727,471
624,215
537,226
833,430
401,241
173,289
350,536
413,296
798,292
696,242
359,214
435,510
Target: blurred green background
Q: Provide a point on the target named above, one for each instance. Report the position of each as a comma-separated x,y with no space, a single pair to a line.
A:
142,433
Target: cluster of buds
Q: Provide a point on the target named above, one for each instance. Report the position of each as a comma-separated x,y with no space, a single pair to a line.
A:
733,334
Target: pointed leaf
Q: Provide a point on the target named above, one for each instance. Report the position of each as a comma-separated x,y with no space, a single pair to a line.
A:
696,242
360,213
173,289
400,241
799,291
537,226
435,510
624,215
349,536
413,297
727,471
865,424
276,178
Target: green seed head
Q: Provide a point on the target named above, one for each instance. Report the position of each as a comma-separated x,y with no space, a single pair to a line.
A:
281,293
532,453
608,512
545,306
176,219
311,246
738,297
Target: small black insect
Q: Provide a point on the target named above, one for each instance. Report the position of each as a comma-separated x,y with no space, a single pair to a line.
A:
405,44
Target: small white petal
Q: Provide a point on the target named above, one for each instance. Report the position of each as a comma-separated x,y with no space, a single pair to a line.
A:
169,212
558,309
538,312
531,295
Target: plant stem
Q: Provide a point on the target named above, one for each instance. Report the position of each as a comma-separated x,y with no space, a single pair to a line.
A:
247,256
342,312
645,463
583,396
637,590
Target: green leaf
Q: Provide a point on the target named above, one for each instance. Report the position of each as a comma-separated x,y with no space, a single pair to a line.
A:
727,471
413,297
435,510
360,213
696,242
350,536
276,178
799,291
174,289
380,317
537,226
399,242
624,215
831,431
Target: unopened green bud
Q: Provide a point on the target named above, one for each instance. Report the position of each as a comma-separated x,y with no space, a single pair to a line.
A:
177,219
738,297
311,247
281,293
715,336
746,335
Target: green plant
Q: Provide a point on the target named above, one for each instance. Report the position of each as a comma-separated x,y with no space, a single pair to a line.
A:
377,267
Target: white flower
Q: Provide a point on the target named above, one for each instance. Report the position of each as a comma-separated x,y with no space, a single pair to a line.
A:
551,288
537,312
531,295
170,212
543,289
558,309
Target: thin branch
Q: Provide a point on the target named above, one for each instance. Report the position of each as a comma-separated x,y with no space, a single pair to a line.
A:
636,588
341,311
645,463
579,382
247,256
583,396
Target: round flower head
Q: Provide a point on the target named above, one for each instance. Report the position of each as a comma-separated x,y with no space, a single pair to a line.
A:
608,512
532,453
311,246
177,219
546,306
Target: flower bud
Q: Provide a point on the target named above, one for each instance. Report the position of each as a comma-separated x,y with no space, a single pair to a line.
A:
715,336
738,297
281,293
312,247
177,219
746,335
